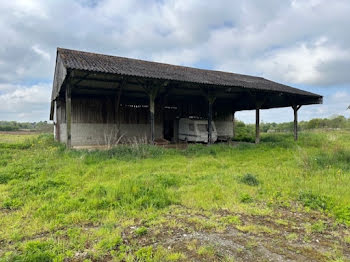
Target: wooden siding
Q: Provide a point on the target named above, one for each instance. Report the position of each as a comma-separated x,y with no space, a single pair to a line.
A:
102,110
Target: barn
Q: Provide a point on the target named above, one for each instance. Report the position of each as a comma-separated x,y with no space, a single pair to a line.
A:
101,99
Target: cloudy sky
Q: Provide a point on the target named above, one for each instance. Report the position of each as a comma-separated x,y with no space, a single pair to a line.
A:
305,44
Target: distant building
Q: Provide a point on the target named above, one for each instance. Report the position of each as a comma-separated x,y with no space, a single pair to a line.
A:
95,95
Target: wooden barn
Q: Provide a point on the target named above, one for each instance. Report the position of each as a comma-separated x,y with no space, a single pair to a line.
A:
98,99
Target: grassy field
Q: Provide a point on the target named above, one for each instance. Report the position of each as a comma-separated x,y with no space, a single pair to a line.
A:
275,201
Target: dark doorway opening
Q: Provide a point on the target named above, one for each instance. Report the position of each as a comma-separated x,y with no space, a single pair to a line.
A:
168,129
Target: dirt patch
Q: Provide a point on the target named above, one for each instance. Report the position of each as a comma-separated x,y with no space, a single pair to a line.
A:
285,236
20,132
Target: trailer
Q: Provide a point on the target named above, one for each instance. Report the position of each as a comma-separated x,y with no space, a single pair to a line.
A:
195,130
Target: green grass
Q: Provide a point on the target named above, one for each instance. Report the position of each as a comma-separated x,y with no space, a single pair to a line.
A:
55,203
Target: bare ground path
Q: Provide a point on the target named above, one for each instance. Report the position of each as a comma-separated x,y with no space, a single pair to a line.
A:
283,236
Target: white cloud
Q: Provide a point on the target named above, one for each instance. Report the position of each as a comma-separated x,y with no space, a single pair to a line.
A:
41,52
248,37
24,102
303,63
293,41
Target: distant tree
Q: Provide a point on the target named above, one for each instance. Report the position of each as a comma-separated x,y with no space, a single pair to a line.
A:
42,126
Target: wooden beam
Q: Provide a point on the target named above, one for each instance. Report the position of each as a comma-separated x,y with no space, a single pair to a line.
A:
151,111
210,118
118,102
257,126
99,90
259,102
233,124
82,78
88,78
56,123
211,100
152,89
69,114
295,109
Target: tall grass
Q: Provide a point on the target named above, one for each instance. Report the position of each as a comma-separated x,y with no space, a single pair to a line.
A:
46,188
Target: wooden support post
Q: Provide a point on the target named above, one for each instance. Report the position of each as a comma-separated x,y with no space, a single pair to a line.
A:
257,126
259,102
233,124
121,86
56,124
58,132
69,114
151,110
210,118
295,109
152,90
211,100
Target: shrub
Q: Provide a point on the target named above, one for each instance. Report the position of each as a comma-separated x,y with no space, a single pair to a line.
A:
244,132
249,180
342,213
313,201
246,198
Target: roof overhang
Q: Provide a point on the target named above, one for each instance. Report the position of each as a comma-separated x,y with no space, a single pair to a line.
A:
242,93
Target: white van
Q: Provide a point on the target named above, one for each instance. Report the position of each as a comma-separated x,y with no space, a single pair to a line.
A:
194,130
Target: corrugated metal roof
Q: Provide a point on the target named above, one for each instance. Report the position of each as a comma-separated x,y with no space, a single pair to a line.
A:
93,62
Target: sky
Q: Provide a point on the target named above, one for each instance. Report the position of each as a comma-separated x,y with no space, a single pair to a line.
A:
305,44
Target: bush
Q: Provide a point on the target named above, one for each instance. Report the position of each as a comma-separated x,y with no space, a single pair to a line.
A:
249,180
246,198
313,201
244,132
342,213
9,128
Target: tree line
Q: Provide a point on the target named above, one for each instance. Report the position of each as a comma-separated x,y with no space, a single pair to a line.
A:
246,132
242,129
42,126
